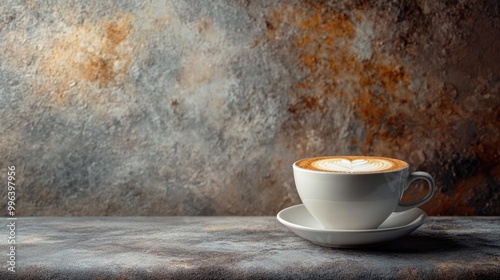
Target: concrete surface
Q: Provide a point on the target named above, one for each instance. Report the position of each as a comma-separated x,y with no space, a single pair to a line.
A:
200,107
243,248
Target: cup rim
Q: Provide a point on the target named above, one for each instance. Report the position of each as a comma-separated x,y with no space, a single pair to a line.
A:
295,166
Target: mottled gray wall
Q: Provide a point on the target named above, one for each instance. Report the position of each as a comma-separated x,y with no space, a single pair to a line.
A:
200,107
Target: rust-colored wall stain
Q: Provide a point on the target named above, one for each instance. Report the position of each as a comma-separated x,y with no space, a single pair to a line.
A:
305,103
324,42
99,66
85,56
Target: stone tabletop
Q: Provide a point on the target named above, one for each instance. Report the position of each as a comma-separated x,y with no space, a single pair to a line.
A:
240,247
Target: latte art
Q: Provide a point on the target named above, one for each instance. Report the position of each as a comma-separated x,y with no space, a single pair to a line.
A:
357,165
352,164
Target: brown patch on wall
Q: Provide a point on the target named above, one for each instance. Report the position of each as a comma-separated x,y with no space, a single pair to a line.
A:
88,57
305,103
91,53
324,40
99,65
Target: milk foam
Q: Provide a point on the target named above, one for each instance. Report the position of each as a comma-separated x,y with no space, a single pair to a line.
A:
352,164
356,165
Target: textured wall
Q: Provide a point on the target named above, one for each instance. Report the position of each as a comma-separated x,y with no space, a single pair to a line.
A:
200,107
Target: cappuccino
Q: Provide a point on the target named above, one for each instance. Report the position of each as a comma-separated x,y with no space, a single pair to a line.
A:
355,192
352,164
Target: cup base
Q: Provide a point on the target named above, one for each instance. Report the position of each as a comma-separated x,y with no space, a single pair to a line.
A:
349,215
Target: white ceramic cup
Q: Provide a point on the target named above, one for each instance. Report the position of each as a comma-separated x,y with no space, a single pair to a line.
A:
343,200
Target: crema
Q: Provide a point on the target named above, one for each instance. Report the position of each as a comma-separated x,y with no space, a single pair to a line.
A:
352,164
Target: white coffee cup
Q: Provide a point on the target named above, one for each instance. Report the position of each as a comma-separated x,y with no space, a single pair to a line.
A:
355,192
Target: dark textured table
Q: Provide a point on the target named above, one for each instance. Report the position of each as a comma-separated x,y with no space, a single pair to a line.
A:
240,247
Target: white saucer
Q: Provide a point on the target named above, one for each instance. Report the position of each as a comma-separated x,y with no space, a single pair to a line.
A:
298,220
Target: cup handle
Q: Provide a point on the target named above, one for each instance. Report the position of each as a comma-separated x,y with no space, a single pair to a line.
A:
415,176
